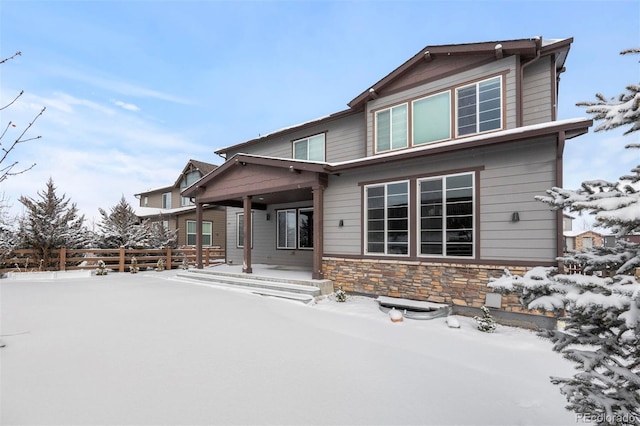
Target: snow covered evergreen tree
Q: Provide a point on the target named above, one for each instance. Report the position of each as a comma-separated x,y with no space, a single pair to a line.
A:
602,304
8,233
51,222
162,237
121,227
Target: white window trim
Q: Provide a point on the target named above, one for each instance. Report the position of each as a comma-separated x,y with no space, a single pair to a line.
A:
376,126
366,221
413,120
477,84
166,196
239,231
308,139
187,233
474,233
295,242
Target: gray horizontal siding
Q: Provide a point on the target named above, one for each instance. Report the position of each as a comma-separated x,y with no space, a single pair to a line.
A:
537,95
344,140
512,175
264,240
506,64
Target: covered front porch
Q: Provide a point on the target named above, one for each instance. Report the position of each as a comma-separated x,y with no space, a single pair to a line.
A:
274,211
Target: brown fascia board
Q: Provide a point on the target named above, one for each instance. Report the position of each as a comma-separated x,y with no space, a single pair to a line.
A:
205,168
240,160
523,47
326,119
571,128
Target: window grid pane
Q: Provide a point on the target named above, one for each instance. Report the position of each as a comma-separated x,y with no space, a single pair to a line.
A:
388,218
446,216
480,107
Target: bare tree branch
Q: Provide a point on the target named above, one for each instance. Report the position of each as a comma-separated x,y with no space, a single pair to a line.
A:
7,171
18,53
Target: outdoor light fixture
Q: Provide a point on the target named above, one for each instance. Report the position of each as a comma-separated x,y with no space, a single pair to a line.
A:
341,223
515,217
268,216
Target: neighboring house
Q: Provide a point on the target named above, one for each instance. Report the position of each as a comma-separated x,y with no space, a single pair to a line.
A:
167,206
582,240
423,188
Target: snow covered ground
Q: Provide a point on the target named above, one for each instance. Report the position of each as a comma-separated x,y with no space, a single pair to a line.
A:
148,350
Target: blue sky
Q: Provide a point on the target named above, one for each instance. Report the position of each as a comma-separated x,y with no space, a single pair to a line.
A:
134,89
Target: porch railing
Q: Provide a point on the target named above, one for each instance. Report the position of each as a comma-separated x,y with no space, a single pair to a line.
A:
117,260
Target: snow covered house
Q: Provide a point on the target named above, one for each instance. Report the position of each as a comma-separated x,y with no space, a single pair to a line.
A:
422,188
166,205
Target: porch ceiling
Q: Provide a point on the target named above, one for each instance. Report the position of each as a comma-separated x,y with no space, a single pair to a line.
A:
261,201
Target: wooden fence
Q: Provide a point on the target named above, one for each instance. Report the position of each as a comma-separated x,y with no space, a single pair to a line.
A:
118,260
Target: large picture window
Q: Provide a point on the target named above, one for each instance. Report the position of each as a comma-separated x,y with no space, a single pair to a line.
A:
387,218
391,128
479,107
207,233
432,118
311,148
446,216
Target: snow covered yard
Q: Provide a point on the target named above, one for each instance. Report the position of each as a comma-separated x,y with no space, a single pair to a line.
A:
148,350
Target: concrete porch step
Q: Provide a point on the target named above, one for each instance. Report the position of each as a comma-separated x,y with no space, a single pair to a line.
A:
267,286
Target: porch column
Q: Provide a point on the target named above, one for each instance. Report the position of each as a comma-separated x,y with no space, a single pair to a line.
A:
246,265
199,235
318,231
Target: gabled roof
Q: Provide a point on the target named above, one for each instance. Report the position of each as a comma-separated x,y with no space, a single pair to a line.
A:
526,48
192,165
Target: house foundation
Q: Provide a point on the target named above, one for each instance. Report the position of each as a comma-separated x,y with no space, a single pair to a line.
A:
458,284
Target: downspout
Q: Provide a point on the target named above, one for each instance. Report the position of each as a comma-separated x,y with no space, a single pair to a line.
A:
520,118
559,212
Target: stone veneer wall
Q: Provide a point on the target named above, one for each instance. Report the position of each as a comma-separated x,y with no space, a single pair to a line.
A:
453,283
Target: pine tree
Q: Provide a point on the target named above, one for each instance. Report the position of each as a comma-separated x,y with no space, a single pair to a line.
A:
486,322
49,223
162,237
122,228
602,304
8,233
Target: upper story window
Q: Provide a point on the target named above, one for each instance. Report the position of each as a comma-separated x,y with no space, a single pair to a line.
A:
188,180
432,118
311,148
391,128
166,200
479,107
